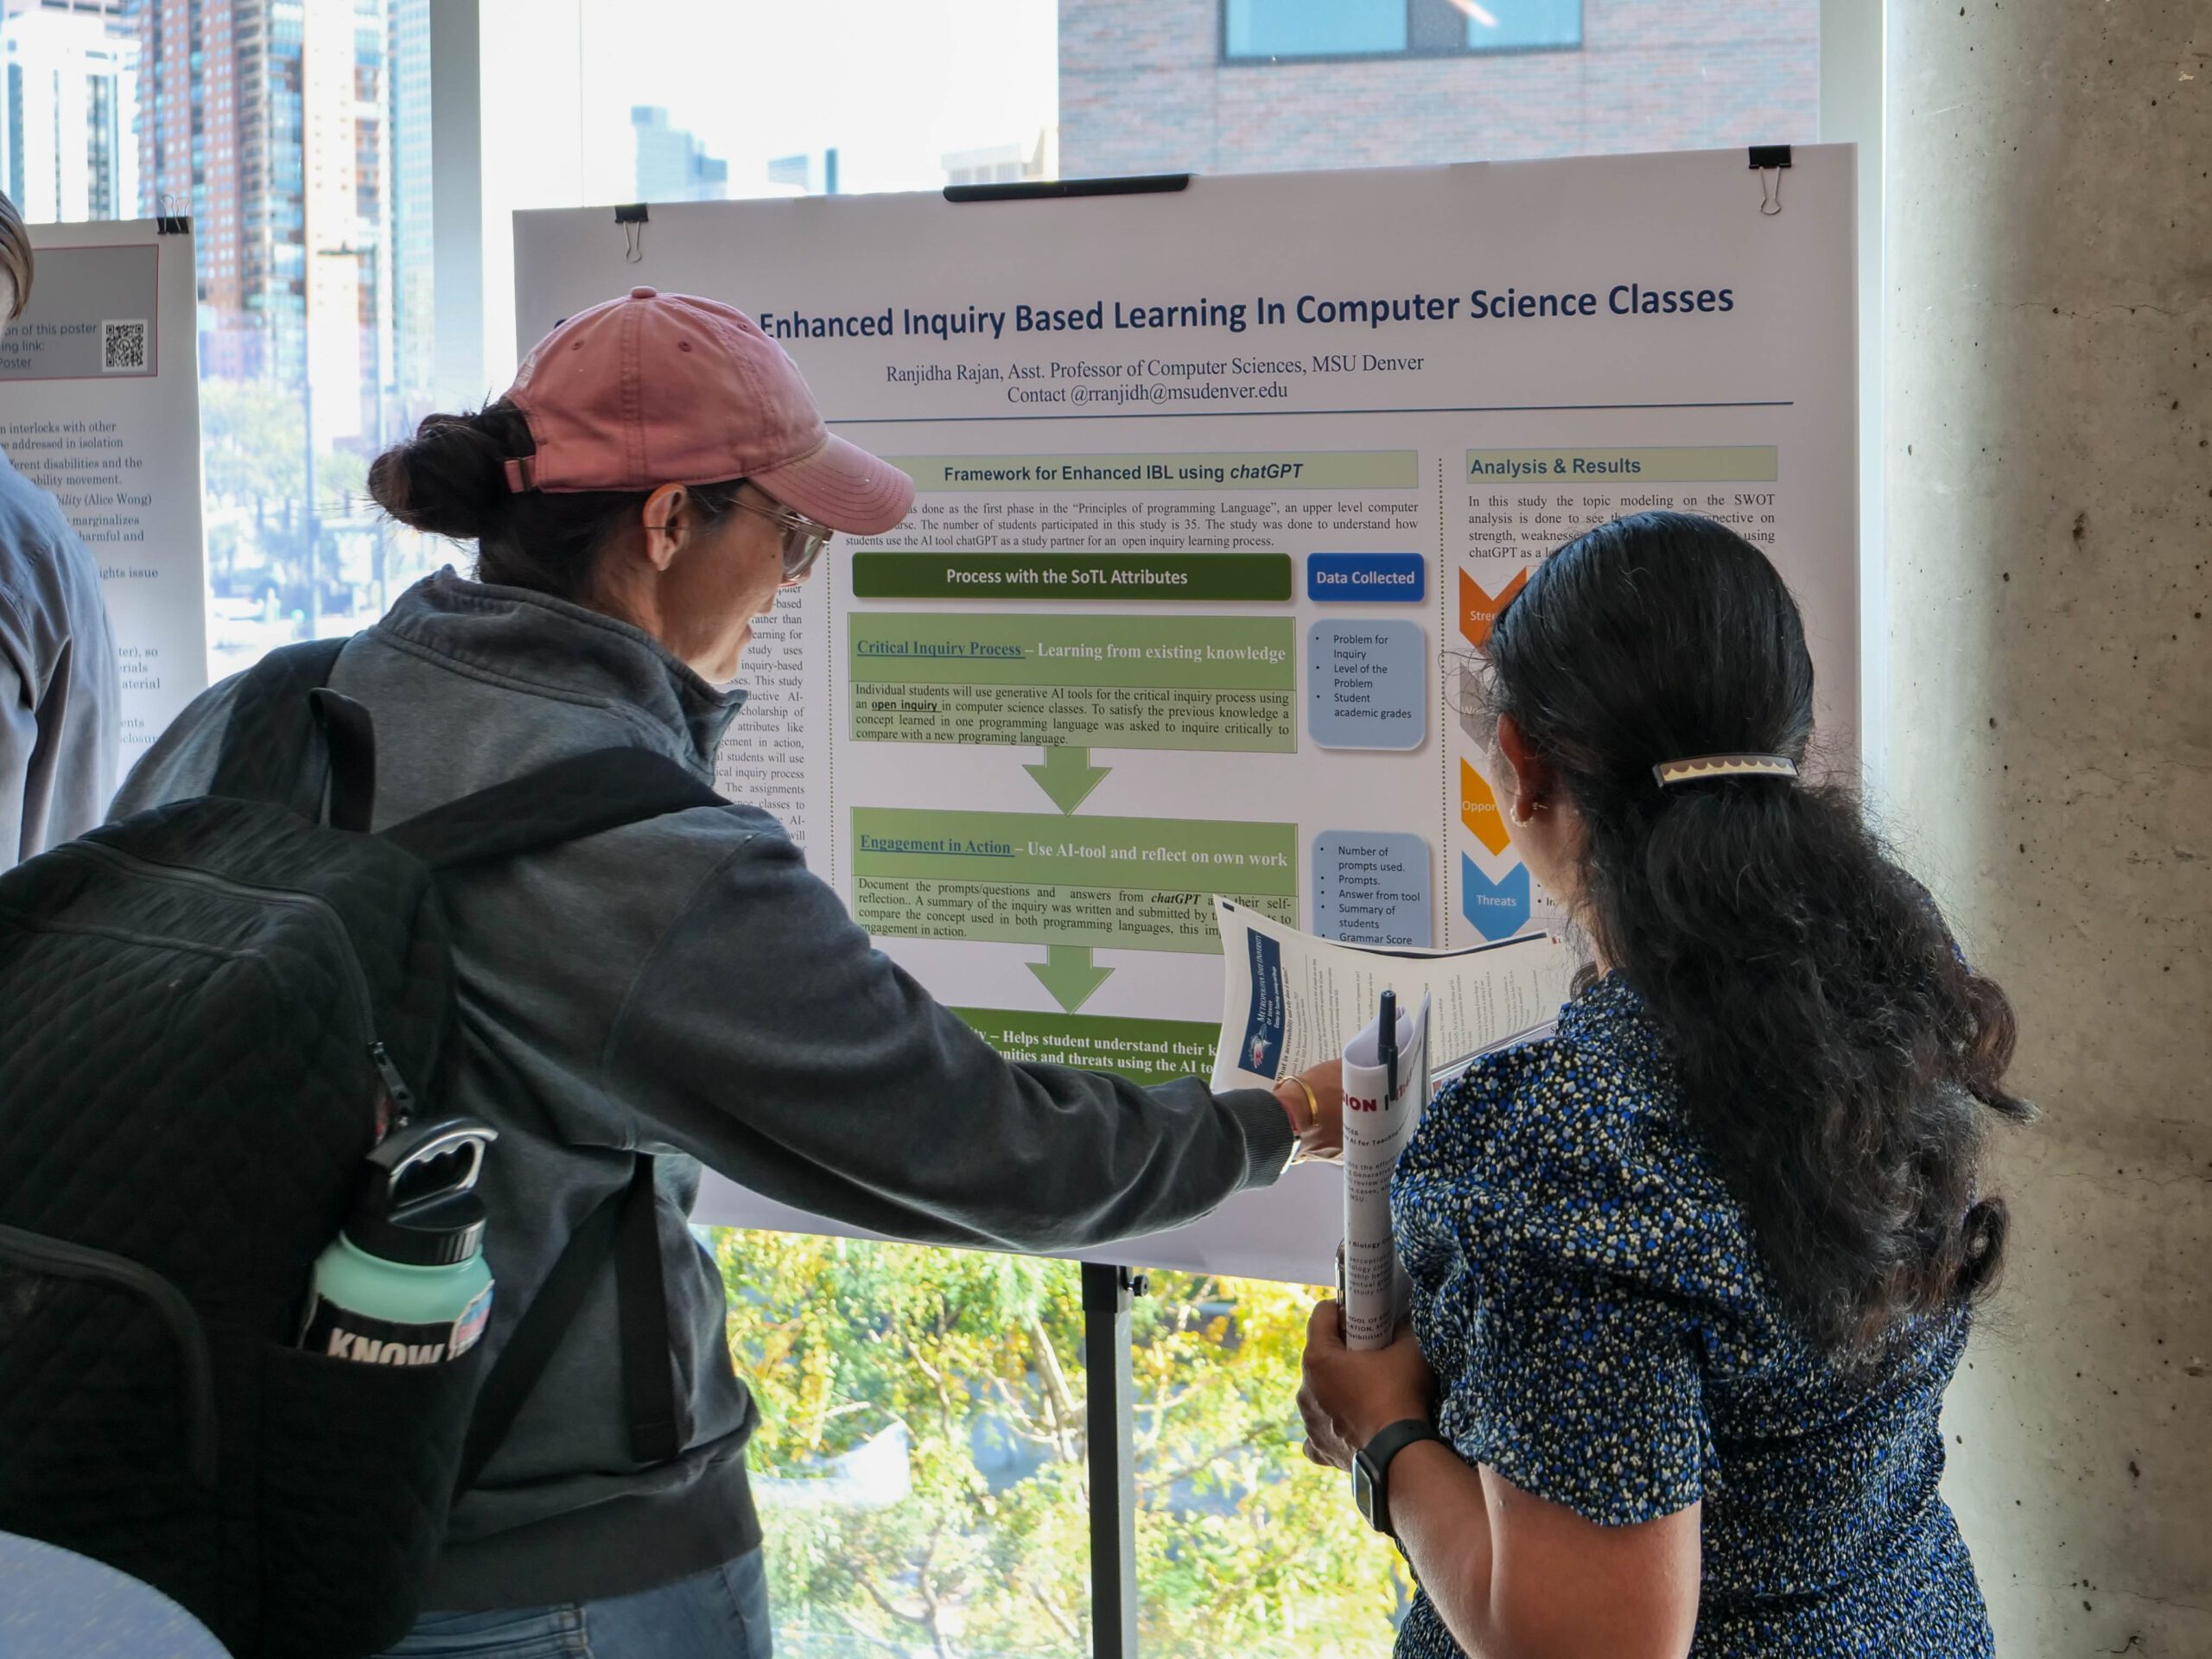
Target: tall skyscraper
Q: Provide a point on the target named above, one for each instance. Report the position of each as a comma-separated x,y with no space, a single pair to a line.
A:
70,91
672,164
345,161
270,121
414,294
813,171
208,147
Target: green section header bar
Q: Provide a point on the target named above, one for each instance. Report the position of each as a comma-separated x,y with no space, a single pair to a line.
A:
1141,578
1259,469
1221,652
1748,464
1045,849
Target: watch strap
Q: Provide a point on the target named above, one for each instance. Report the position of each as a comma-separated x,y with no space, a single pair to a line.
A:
1374,1458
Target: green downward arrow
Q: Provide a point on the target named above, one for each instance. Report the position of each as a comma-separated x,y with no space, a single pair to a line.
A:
1067,776
1067,973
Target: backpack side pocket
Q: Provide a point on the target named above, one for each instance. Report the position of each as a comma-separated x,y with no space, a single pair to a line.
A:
357,1476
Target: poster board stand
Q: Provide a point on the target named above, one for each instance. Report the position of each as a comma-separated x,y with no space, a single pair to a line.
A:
1109,1432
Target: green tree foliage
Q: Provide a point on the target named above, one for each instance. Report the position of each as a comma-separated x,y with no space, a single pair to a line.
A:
253,445
1242,1546
252,435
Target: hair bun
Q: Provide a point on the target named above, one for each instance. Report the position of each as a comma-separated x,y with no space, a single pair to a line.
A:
450,479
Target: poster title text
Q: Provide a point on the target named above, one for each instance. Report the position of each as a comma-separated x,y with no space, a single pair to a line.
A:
1629,299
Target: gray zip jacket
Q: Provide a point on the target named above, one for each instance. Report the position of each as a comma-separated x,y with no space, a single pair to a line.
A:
686,988
60,720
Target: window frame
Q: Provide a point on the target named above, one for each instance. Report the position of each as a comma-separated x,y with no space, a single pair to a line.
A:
1223,58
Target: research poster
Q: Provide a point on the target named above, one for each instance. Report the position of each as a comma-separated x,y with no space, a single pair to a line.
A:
1218,491
99,405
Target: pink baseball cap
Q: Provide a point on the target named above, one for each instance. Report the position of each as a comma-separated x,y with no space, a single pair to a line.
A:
671,389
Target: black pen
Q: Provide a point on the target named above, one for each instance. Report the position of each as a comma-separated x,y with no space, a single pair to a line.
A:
1388,1052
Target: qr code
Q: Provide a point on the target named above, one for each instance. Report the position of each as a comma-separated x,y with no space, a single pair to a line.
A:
123,347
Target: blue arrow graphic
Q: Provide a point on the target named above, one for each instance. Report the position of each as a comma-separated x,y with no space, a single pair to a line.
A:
1498,909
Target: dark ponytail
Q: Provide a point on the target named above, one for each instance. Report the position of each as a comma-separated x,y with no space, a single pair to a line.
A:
450,479
1837,1055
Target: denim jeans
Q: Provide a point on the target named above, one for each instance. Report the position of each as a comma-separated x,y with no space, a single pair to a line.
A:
722,1614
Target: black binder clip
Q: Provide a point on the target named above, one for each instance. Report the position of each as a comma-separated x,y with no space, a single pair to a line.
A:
169,221
634,217
1770,162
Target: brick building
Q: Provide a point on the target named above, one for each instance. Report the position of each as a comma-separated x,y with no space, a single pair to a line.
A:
1262,85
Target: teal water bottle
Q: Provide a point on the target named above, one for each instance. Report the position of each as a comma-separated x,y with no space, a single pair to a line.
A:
404,1283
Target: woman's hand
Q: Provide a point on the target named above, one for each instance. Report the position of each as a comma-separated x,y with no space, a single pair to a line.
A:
1348,1398
1318,1122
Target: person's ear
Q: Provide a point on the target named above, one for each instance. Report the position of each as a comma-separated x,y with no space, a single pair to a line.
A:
1535,783
667,522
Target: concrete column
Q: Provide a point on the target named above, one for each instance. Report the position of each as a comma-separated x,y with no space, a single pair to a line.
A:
2050,552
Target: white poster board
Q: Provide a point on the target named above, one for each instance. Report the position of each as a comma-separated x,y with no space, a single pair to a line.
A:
1219,489
99,405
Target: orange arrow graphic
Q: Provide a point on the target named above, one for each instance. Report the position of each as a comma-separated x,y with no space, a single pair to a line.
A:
1477,609
1478,808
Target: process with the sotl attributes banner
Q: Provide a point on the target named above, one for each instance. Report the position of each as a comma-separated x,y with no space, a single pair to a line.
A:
1219,491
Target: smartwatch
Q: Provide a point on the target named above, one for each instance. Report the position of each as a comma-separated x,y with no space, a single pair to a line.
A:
1370,1469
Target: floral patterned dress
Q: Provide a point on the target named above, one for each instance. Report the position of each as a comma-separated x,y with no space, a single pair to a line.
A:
1604,1336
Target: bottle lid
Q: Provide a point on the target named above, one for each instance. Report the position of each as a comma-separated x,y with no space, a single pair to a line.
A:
418,1205
436,1233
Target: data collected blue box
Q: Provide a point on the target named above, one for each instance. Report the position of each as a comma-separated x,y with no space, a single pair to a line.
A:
1366,578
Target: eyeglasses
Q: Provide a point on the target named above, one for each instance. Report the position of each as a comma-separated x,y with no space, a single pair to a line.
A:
804,538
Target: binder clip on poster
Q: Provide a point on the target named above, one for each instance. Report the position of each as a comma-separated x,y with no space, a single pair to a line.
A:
1770,162
633,218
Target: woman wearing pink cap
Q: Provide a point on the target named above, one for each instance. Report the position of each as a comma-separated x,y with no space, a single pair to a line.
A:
684,987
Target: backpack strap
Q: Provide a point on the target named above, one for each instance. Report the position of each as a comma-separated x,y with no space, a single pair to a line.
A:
555,804
544,1322
291,739
349,739
564,802
625,1227
648,1362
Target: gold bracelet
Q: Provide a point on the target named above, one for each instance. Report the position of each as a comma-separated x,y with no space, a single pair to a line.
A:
1299,1154
1313,1100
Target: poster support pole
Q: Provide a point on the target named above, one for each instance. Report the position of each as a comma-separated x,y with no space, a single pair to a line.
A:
1110,1427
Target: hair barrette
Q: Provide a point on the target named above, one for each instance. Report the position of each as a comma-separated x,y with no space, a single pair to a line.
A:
1723,765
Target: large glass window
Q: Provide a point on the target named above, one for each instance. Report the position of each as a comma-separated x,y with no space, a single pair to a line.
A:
1272,30
1308,28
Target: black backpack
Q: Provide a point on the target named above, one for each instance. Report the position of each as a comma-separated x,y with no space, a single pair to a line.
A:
208,1013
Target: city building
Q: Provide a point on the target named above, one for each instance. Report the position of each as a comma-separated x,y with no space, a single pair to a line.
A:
270,121
672,165
811,173
68,146
346,166
209,145
1259,85
1005,164
411,242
